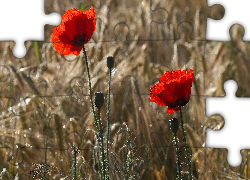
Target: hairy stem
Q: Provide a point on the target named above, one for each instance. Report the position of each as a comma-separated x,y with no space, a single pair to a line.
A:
90,91
178,157
101,137
108,134
186,146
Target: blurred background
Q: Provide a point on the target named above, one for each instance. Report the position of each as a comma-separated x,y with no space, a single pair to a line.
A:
45,104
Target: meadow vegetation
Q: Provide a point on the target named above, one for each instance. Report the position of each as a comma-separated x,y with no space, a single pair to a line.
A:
45,105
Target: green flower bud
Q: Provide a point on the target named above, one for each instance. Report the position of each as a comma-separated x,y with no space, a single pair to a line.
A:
174,125
110,62
99,99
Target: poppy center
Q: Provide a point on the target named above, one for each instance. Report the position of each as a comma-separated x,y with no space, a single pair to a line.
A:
79,40
181,102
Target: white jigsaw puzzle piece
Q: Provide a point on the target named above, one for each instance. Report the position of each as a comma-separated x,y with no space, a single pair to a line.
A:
236,12
24,20
235,134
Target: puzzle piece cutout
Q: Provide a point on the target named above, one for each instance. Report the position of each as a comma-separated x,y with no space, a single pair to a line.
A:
218,30
15,27
233,135
233,54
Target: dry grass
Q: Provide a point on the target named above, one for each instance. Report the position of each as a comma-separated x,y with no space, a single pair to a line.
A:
55,92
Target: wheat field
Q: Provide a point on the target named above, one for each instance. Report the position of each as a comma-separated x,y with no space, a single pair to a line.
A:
45,104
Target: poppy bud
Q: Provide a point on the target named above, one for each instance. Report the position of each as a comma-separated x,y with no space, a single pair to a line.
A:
174,125
99,99
110,62
96,167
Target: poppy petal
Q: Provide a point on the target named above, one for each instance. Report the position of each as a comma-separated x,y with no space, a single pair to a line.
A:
76,29
173,89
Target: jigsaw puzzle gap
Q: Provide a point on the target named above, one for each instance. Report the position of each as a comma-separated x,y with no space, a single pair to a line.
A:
232,134
15,28
218,30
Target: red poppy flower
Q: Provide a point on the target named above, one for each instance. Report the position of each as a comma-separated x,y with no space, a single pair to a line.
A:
173,89
76,29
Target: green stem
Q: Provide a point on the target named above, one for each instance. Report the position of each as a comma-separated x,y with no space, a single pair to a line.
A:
36,46
99,164
186,147
90,91
108,134
99,129
178,157
101,137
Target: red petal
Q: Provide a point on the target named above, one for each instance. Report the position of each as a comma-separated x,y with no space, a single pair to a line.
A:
76,29
173,89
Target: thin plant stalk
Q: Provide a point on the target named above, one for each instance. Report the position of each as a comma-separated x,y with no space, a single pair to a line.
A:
74,162
99,164
8,102
36,46
101,137
90,91
12,167
99,129
178,157
247,162
166,156
108,134
45,155
186,147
